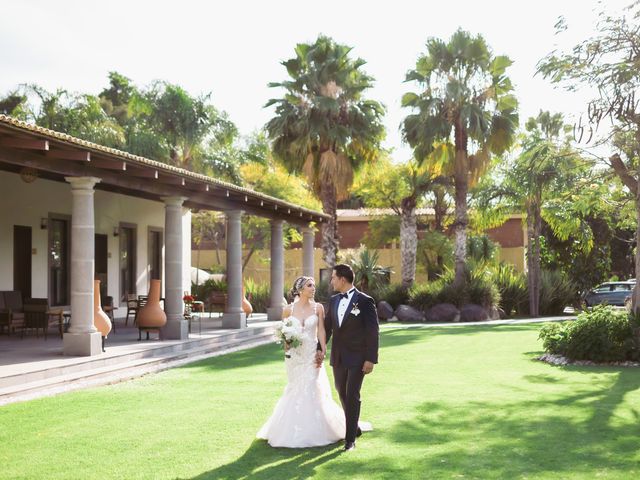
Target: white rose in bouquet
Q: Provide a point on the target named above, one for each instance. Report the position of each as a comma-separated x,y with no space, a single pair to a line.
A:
289,332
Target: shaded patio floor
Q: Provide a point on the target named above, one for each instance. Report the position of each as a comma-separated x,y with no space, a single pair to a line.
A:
33,362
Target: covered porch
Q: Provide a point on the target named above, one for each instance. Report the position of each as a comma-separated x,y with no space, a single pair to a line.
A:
32,368
74,211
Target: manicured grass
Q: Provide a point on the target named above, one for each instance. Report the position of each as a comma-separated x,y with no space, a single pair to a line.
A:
456,402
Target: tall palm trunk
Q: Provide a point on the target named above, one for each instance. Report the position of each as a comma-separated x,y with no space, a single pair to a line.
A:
408,240
329,229
534,227
461,184
439,209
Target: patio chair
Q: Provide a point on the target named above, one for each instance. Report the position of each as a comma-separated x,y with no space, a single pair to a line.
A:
11,310
36,315
5,316
132,308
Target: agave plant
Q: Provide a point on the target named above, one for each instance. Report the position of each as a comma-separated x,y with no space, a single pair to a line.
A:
369,276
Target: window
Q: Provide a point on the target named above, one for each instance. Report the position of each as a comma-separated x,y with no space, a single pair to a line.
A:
59,260
603,288
621,287
154,249
127,260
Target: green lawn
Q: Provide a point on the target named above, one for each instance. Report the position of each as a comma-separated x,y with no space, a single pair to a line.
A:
457,402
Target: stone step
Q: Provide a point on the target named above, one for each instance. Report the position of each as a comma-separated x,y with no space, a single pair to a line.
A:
128,366
162,348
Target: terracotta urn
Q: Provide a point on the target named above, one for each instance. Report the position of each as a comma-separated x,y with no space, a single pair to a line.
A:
100,319
152,315
246,306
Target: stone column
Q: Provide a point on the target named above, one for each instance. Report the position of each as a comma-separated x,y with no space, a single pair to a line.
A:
274,312
82,337
308,239
234,316
176,327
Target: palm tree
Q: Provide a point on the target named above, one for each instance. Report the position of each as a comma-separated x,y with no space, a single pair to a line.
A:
549,182
402,187
324,127
543,170
465,103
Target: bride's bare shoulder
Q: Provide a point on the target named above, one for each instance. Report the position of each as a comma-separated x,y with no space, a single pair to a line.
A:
319,308
286,311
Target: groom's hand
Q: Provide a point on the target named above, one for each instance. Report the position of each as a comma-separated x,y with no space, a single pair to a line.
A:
367,367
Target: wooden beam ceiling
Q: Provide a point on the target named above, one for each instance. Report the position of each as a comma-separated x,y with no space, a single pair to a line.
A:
138,185
57,159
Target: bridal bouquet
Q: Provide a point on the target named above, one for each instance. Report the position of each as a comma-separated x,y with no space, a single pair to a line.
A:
289,331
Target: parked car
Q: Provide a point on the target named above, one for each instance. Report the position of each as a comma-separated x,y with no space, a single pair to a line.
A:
611,293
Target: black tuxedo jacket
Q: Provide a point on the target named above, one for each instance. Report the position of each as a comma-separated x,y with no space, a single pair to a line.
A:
356,340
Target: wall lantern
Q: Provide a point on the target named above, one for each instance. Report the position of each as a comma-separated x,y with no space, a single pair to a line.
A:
44,223
116,231
28,174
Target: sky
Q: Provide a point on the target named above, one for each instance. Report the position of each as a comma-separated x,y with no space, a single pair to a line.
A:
233,49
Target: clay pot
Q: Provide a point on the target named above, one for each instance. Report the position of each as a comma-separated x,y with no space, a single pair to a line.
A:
246,306
151,315
100,319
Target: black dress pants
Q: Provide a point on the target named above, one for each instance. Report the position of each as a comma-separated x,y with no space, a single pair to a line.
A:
348,381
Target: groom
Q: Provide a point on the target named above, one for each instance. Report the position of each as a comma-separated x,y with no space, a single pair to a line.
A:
352,320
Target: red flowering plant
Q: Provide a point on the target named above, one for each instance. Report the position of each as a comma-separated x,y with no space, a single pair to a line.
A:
188,298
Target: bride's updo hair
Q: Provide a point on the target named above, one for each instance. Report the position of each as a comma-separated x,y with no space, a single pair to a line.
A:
298,285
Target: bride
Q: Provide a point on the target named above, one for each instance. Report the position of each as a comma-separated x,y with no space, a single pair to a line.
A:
305,415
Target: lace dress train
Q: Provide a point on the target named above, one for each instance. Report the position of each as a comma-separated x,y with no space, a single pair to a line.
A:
306,415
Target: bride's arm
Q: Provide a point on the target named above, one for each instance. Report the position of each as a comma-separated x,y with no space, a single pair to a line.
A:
322,334
286,313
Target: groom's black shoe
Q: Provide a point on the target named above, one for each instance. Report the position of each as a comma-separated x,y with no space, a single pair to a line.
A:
348,446
358,432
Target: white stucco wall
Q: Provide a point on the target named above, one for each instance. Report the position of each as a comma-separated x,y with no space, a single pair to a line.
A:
25,204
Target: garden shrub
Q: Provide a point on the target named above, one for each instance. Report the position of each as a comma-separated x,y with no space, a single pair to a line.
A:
422,297
479,289
394,294
203,291
258,294
483,291
512,285
556,292
600,335
554,338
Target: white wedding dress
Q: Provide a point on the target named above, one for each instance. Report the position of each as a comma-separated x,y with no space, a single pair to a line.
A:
306,414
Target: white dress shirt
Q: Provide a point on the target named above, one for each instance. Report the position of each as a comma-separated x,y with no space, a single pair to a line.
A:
342,306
